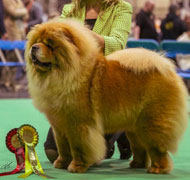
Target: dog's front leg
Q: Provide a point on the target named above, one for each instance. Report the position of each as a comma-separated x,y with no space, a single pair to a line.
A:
64,152
87,147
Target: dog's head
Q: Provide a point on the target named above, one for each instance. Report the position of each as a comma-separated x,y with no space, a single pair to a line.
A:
59,45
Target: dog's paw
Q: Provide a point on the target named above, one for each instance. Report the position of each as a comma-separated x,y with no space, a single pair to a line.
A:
159,170
77,168
60,164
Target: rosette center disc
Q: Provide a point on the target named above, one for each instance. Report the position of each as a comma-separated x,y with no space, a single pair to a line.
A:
15,141
28,136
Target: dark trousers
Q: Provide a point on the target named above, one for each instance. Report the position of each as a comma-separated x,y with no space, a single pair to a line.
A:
122,142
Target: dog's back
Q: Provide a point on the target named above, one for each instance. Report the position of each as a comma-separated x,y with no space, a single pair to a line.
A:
142,60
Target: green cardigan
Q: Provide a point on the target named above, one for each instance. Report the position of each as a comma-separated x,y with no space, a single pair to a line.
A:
114,24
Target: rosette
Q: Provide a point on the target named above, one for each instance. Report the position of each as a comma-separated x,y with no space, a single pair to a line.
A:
28,134
12,140
14,145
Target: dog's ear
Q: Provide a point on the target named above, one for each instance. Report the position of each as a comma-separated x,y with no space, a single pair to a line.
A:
70,37
35,27
66,33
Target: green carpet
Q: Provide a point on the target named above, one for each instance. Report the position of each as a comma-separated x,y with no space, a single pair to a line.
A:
14,113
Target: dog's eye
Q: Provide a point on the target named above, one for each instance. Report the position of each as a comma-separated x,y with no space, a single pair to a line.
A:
49,46
48,43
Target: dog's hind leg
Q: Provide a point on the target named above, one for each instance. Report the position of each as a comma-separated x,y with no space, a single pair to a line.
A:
161,125
161,162
140,156
87,147
157,141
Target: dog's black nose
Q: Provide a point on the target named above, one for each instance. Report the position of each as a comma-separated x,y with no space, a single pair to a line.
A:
35,48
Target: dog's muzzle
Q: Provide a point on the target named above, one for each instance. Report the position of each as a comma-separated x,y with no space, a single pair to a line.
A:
35,60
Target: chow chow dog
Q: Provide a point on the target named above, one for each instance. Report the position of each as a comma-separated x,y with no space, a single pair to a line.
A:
85,94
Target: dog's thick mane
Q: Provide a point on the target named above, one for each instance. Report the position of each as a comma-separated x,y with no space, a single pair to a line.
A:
81,38
150,61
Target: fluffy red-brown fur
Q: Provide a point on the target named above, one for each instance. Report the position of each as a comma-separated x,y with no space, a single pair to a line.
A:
84,95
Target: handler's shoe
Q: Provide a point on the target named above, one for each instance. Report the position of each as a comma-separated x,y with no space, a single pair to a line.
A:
125,153
110,152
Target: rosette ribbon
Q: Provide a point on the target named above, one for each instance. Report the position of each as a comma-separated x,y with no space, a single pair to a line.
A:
13,144
29,138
